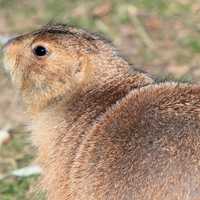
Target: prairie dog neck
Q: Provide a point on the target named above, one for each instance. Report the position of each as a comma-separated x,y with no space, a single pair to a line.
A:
85,106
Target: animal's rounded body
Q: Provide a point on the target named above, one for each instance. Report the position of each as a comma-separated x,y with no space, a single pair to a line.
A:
145,147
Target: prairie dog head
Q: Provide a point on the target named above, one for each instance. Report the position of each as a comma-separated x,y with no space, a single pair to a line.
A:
57,60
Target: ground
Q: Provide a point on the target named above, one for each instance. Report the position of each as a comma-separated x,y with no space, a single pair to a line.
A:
157,36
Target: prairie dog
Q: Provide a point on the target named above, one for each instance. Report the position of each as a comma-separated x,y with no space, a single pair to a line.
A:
101,132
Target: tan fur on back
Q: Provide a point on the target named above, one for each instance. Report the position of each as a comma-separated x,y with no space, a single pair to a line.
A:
101,132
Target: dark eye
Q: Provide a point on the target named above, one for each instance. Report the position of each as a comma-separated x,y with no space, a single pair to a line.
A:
40,51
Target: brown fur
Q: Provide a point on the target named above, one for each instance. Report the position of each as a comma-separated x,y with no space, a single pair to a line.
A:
102,133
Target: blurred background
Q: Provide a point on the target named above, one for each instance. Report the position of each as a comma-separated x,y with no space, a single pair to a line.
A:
161,37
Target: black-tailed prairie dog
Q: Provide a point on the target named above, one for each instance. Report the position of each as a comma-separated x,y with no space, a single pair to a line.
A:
102,133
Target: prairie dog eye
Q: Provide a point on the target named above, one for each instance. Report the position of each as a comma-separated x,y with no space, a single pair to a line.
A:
40,51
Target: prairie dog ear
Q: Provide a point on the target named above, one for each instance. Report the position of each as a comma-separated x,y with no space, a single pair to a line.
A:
84,70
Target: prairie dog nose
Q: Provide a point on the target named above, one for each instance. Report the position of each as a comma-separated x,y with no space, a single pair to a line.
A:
10,50
10,43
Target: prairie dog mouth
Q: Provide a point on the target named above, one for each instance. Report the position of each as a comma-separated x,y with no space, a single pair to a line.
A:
8,60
